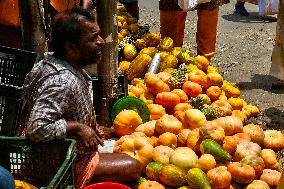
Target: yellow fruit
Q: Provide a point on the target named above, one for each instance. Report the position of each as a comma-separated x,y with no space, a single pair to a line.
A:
124,32
23,185
129,51
121,19
202,62
123,66
120,37
119,26
166,44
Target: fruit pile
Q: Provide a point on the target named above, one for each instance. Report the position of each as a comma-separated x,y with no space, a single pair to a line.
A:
197,136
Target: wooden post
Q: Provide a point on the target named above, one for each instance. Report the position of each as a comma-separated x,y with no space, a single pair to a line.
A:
35,25
107,69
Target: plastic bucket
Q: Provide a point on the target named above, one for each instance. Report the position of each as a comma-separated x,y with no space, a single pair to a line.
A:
107,185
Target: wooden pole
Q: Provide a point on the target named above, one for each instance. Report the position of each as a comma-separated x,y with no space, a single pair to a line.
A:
107,69
35,25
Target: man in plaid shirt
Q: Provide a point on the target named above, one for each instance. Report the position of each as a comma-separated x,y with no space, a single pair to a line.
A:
59,99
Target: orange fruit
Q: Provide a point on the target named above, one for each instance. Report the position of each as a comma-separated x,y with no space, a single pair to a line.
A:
202,62
126,122
213,92
150,185
123,66
192,89
168,139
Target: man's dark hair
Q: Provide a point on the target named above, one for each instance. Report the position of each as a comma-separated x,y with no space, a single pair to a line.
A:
67,26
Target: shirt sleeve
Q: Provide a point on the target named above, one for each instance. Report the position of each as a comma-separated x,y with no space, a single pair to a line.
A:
46,120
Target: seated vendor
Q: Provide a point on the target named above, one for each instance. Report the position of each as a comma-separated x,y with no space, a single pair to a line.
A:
59,100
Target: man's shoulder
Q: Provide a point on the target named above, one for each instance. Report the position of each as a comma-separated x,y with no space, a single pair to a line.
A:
46,71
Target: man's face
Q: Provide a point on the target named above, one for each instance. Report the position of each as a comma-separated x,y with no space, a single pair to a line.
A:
90,44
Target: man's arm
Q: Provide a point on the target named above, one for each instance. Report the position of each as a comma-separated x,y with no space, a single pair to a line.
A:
45,122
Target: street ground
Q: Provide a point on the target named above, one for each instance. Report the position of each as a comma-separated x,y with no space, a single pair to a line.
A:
243,55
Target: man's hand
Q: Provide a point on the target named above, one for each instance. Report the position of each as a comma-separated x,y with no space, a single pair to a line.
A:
85,135
89,137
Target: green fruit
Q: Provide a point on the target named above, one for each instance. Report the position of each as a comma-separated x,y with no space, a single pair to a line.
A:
172,175
205,99
197,179
153,170
209,146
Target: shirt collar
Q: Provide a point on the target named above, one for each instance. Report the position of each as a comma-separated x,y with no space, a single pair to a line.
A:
61,64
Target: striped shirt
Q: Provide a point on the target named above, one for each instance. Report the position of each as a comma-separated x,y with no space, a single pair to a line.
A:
56,93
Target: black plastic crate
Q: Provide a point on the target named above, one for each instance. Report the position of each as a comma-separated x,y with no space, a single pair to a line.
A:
14,66
44,165
10,108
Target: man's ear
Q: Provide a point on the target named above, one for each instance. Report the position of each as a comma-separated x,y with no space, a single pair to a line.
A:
71,48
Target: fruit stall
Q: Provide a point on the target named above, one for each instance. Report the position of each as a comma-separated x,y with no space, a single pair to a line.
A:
186,124
179,117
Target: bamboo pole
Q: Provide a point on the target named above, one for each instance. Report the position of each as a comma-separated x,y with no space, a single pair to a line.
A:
107,69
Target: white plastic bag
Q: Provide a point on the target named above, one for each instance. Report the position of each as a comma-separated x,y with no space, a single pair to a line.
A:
187,5
268,7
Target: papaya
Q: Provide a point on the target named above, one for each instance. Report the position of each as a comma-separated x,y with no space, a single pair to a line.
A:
151,51
153,170
166,44
138,66
197,179
129,51
209,146
172,175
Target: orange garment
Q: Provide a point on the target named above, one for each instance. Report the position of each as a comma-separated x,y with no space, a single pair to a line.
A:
62,5
10,32
172,24
85,169
9,13
207,31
